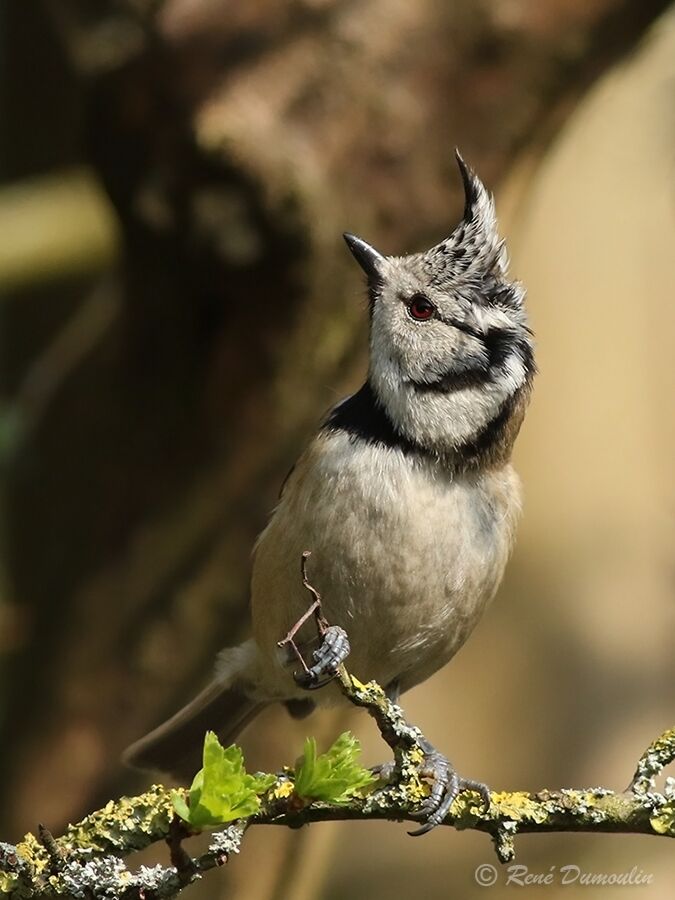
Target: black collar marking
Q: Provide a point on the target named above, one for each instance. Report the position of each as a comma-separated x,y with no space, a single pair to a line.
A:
363,418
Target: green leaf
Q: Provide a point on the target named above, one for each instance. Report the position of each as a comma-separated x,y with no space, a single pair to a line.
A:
334,776
222,790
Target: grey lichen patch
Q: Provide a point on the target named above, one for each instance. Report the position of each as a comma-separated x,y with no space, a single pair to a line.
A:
128,824
588,808
382,801
108,878
87,865
15,870
83,875
656,757
504,841
586,805
228,841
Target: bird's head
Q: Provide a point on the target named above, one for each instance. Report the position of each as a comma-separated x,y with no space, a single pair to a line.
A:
450,350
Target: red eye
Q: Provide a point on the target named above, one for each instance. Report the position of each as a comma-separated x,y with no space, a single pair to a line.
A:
420,308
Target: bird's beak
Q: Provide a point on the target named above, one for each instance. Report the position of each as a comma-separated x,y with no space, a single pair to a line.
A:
366,256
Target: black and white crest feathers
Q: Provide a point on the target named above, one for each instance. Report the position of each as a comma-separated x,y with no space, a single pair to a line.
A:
474,249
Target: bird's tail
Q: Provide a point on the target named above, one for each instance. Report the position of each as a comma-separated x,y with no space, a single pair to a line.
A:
175,746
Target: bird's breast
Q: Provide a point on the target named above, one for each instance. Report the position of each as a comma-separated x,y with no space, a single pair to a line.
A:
404,555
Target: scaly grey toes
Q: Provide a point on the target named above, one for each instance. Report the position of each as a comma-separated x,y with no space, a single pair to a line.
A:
328,657
384,771
446,785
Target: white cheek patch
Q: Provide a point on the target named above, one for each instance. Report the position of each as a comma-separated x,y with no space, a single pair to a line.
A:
418,352
443,421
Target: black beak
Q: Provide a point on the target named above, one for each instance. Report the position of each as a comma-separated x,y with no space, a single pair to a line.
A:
366,256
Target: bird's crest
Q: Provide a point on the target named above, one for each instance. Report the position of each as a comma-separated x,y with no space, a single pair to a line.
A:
474,249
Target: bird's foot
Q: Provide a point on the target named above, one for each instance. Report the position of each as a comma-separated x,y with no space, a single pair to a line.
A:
333,648
446,785
384,771
328,657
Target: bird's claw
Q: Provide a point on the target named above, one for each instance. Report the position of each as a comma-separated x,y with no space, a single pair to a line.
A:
333,646
446,785
328,657
384,771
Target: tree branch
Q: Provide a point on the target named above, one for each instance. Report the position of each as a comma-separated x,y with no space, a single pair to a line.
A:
86,860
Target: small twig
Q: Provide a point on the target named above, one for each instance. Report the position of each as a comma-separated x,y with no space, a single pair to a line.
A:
57,855
333,645
180,859
314,609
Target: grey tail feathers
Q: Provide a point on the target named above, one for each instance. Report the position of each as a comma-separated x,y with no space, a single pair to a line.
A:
175,746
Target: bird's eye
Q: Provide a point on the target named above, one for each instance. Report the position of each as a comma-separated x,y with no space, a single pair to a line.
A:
421,308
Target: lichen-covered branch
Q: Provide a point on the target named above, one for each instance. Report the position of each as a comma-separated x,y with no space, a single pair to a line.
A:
87,860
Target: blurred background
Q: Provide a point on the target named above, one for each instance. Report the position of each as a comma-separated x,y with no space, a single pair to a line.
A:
177,310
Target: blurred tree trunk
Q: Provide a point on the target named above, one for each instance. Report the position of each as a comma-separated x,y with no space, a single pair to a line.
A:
235,148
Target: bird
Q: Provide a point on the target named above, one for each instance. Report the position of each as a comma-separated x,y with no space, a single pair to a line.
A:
406,496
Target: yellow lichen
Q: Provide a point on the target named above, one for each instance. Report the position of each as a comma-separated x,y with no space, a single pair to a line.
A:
663,822
8,883
518,806
412,788
34,853
416,756
282,790
130,823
